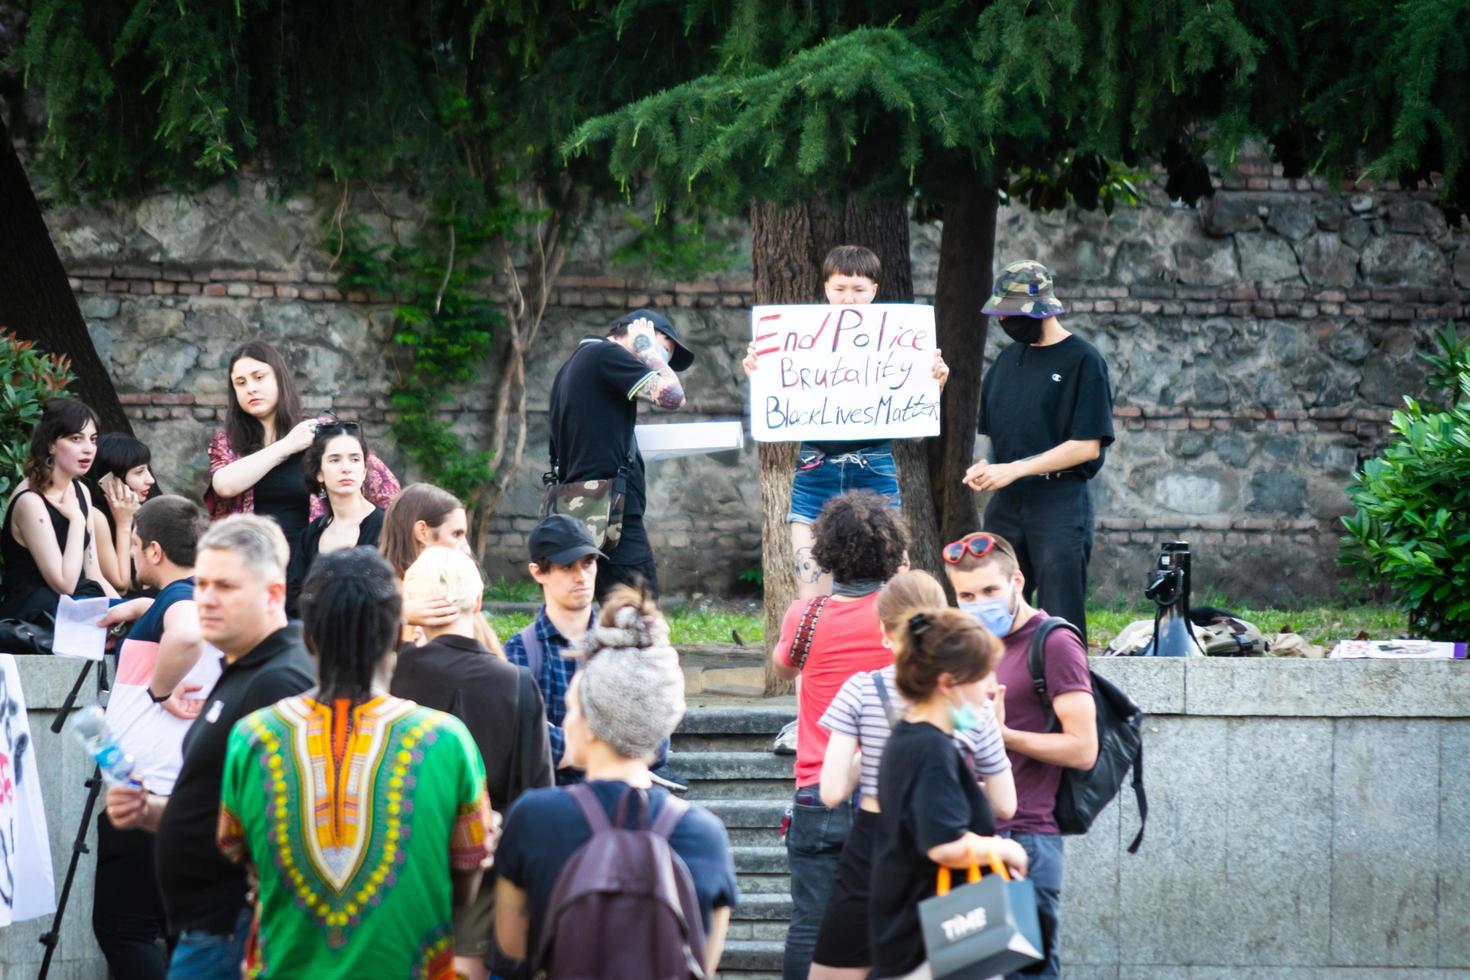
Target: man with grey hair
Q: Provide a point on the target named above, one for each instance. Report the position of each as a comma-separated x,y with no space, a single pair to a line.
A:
240,592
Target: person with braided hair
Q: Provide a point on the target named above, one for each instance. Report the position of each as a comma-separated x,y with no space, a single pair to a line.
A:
934,815
364,815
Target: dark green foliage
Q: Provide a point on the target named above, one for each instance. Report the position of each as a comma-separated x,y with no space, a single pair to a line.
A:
443,331
1411,531
677,250
28,376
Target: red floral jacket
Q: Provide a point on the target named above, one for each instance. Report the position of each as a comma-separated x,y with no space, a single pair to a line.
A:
380,486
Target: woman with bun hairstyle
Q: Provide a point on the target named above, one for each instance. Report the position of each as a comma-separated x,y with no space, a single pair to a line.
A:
860,718
47,544
120,481
934,815
255,460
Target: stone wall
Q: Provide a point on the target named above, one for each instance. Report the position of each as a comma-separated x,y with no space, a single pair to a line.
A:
1257,345
1307,821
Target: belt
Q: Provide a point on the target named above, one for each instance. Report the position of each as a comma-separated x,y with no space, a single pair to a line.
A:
1061,476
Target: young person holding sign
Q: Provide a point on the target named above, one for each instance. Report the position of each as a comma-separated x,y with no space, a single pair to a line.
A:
827,468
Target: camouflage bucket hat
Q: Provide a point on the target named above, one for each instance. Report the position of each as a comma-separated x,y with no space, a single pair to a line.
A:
1023,289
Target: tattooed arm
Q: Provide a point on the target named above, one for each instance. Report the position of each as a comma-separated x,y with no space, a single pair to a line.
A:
662,388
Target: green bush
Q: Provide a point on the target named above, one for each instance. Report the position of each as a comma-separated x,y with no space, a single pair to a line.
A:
28,376
1411,530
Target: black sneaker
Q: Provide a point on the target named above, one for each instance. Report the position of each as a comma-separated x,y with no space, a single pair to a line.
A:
668,779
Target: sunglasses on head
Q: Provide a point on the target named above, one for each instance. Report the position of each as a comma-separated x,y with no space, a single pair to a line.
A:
338,425
978,544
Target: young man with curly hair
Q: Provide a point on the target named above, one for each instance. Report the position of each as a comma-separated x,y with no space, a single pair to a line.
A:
861,541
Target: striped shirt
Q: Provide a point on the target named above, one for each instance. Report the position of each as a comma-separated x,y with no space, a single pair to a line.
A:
858,711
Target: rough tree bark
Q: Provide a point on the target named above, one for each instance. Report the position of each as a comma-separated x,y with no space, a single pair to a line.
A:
788,245
966,256
36,301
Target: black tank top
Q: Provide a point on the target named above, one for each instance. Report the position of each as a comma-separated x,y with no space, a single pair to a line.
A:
22,574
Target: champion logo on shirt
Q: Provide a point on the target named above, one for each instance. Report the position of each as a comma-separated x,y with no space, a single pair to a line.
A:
1056,377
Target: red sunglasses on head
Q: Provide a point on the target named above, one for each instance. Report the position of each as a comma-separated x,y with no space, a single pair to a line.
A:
978,544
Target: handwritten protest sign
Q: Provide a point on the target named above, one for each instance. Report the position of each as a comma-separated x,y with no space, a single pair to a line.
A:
843,372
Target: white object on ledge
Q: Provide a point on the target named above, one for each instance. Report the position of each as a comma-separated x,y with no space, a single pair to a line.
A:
674,439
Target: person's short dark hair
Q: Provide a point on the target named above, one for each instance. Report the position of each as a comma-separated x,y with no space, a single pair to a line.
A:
852,260
60,417
350,612
176,523
118,452
860,536
311,460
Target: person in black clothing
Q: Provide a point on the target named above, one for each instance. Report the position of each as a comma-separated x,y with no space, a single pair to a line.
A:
46,539
594,406
934,813
1047,407
335,466
498,701
120,481
240,592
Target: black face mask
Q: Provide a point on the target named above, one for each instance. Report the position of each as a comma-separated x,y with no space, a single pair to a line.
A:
1022,329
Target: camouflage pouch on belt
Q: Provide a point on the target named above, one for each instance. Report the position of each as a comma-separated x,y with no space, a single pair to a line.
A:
596,503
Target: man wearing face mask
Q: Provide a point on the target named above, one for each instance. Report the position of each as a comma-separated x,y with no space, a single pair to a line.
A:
1047,407
989,585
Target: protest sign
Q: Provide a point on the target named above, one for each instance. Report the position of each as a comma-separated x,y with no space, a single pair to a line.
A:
27,885
843,372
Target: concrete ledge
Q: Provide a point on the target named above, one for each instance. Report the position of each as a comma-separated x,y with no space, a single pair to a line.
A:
46,681
1269,687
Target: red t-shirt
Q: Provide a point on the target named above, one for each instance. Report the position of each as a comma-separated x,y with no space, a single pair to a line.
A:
1066,670
848,639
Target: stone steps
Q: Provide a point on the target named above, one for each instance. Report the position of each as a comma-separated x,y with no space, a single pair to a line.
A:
725,754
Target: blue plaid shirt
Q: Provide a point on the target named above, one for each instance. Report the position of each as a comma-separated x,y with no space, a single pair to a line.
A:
555,676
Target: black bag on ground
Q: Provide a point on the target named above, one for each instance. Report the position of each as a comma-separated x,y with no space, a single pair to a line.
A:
1082,795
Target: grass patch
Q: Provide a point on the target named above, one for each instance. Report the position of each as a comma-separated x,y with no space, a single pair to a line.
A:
518,590
686,626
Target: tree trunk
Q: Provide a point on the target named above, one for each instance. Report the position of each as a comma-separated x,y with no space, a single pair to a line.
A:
788,246
36,301
966,255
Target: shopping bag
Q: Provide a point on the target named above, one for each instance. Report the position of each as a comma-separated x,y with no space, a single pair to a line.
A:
985,928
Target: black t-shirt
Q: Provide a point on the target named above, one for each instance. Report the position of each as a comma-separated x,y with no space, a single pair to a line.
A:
456,675
282,495
368,533
593,411
1035,398
929,798
200,888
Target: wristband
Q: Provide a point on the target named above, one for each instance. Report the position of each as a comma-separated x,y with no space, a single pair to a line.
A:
156,699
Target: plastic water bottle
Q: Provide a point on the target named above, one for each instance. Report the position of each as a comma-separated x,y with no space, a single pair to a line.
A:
89,725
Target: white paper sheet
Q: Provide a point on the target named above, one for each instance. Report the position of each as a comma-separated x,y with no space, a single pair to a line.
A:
77,633
674,439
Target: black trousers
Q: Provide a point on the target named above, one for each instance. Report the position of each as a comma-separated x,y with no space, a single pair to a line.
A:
1049,522
630,563
127,914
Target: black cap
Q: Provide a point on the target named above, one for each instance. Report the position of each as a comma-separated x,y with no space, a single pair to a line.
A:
682,356
561,539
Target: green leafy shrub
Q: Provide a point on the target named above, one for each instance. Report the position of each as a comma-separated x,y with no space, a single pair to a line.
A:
1411,530
28,376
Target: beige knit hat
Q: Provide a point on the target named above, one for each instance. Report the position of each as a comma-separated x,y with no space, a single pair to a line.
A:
630,684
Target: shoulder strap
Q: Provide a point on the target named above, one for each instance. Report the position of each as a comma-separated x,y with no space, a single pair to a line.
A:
801,645
669,816
1138,795
882,687
1036,661
81,491
591,806
535,652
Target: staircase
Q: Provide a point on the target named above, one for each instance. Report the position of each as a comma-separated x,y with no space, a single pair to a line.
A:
725,754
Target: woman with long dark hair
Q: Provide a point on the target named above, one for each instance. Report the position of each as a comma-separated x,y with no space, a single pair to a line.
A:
364,815
255,460
121,477
47,542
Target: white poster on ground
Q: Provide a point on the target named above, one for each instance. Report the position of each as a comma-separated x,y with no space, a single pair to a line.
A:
843,372
27,884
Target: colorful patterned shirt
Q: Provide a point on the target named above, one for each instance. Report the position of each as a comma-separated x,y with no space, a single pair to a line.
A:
354,816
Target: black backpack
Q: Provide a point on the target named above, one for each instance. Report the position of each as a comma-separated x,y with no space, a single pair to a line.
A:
1081,796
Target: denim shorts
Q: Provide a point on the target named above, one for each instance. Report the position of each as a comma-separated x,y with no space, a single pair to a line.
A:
820,477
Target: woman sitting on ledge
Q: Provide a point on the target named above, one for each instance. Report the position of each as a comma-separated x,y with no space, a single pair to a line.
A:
47,545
